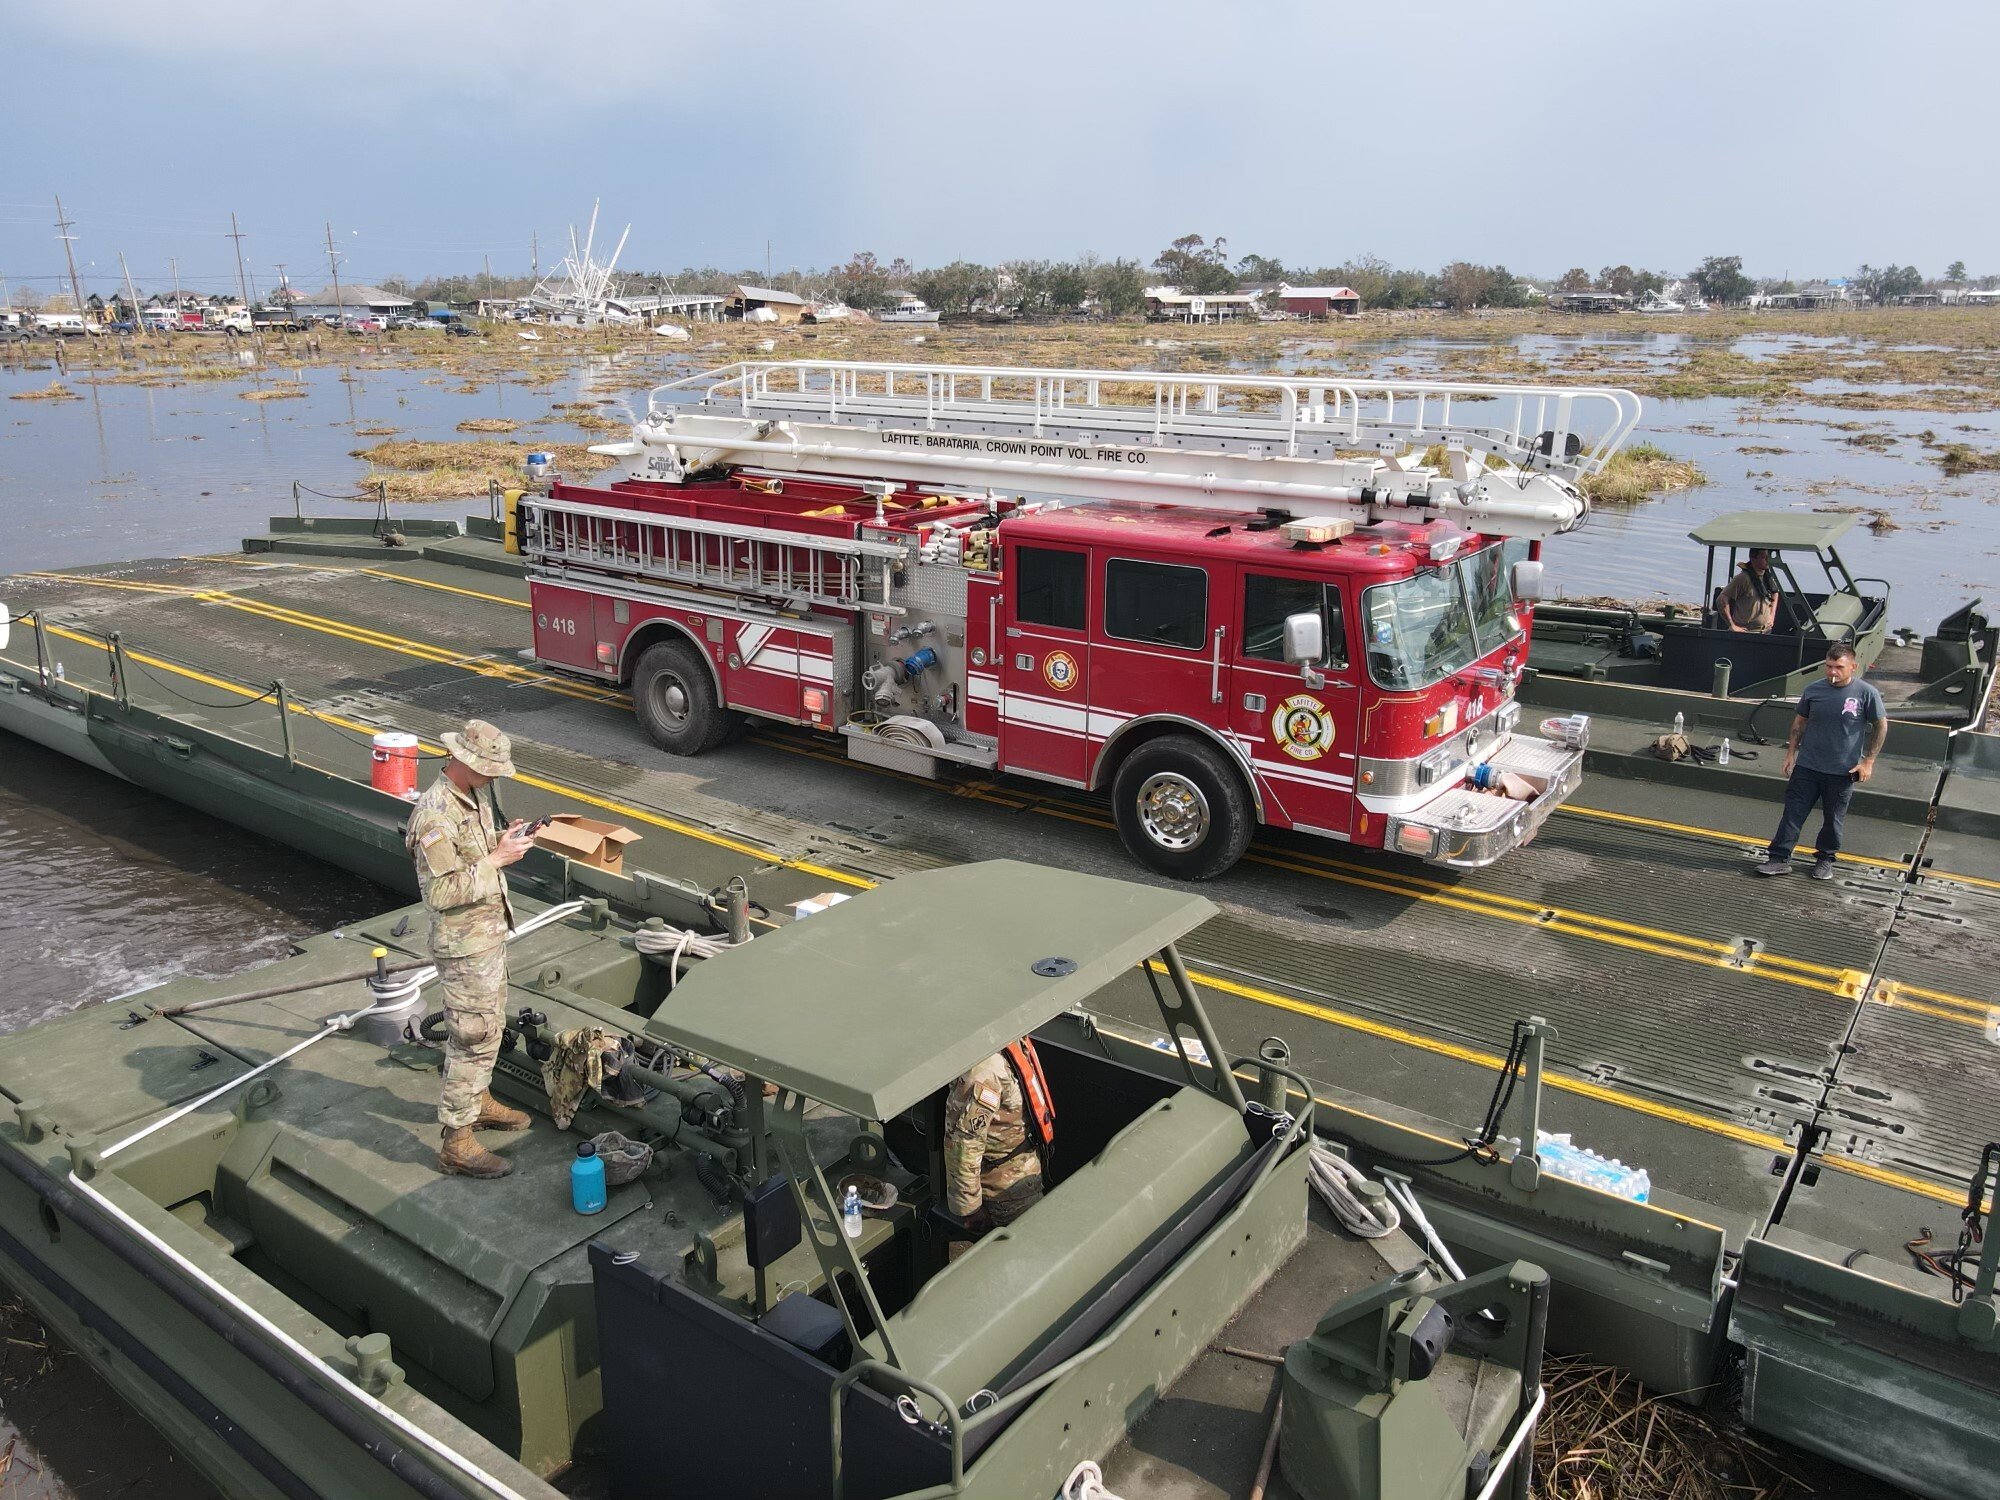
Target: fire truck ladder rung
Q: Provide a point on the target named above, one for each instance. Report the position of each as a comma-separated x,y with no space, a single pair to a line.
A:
833,572
1319,417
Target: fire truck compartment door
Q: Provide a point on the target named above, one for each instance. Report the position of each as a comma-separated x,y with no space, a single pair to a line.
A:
1045,663
769,666
1300,737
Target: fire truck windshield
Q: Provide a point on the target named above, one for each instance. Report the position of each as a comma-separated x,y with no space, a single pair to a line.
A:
1424,628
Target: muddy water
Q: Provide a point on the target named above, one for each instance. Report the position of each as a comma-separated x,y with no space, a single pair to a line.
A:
108,889
129,470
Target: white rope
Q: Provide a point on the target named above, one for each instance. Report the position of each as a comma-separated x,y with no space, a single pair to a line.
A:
387,1002
1086,1482
1337,1180
1402,1193
677,945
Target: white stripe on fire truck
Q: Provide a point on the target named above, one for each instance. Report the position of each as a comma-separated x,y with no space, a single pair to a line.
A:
781,663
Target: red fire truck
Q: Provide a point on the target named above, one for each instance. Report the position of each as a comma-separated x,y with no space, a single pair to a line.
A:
1225,601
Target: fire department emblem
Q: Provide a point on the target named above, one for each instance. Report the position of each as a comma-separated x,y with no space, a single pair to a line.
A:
1059,671
1302,727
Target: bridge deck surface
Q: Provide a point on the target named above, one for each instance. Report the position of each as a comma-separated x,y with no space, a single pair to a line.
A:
1704,1017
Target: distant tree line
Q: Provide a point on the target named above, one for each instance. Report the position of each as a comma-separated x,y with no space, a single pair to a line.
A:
1203,266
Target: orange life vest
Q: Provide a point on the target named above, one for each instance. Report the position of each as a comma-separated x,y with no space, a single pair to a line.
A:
1041,1105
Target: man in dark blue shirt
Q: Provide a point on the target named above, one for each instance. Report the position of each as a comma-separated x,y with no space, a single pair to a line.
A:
1836,735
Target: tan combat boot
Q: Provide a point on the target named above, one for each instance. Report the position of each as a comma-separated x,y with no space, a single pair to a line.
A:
465,1157
493,1115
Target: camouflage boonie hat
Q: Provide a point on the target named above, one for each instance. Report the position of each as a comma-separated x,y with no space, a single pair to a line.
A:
482,747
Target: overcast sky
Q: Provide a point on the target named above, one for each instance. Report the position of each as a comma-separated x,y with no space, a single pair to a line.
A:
1806,138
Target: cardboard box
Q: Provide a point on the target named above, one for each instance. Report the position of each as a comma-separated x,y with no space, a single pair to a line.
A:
587,841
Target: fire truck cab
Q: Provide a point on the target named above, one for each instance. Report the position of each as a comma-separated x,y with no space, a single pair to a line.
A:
1210,666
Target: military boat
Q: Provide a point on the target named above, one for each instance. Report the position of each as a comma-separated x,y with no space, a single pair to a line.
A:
1806,1073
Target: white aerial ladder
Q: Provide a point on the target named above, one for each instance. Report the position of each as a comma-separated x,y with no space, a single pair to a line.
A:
1312,446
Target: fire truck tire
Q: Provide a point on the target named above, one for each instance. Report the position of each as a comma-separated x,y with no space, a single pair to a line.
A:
1182,808
674,697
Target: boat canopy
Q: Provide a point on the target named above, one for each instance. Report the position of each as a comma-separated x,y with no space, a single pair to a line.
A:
1778,530
876,1003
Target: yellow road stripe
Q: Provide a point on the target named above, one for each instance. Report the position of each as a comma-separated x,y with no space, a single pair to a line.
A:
1728,1130
657,820
1486,1060
1581,1087
335,567
1840,983
1757,840
447,588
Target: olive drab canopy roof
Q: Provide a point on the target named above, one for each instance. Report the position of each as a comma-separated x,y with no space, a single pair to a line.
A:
874,1004
1778,530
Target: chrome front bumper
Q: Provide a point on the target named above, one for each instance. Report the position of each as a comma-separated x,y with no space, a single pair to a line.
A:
1466,828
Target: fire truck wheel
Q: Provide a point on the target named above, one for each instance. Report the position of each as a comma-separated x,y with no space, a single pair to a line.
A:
1182,808
674,698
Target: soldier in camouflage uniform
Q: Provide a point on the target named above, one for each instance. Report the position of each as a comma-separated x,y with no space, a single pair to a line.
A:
992,1157
459,855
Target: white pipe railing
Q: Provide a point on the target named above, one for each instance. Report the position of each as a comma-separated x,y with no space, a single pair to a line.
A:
1181,405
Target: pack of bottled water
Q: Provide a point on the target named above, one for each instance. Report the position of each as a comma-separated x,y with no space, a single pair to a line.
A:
1559,1155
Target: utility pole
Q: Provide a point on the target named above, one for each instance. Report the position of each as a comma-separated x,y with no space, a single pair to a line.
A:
767,263
284,286
243,283
333,265
174,265
535,255
487,260
132,300
242,279
69,250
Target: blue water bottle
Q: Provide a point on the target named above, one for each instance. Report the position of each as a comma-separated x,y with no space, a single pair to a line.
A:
586,1179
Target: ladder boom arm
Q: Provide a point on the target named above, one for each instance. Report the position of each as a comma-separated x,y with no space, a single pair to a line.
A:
1316,445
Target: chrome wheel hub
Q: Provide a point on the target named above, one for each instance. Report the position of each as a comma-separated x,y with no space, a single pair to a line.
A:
1173,811
670,698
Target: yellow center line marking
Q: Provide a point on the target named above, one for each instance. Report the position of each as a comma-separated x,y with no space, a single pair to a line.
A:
1759,840
1559,1082
672,825
1840,983
446,588
391,576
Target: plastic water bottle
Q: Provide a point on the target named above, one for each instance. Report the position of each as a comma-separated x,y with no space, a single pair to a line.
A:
850,1212
586,1180
1561,1157
1680,723
1722,755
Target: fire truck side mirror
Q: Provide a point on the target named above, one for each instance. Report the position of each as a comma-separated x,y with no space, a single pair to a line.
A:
1305,638
1527,581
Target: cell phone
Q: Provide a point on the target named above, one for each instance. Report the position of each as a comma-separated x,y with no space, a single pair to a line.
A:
531,829
1855,774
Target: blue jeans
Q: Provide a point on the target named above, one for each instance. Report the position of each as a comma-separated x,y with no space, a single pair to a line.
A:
1833,790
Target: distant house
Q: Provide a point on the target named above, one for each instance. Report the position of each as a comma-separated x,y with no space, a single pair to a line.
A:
1171,304
761,304
1822,294
1974,296
1589,302
1319,301
354,300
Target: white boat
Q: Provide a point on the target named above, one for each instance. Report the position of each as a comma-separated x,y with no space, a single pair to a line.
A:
826,310
1659,302
907,307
